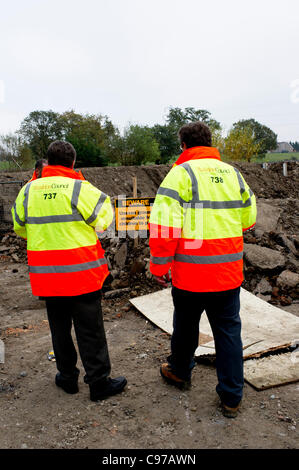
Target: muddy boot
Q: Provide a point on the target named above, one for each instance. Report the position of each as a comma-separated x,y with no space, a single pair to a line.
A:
228,411
172,379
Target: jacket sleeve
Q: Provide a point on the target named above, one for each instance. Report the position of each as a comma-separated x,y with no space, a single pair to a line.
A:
95,206
249,211
167,219
18,215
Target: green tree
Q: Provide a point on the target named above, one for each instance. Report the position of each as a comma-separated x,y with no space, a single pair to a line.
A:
16,152
240,144
87,134
167,139
39,129
218,140
263,135
295,146
115,149
137,146
178,117
141,147
167,135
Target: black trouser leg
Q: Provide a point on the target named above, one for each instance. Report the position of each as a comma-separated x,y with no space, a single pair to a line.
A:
60,322
91,337
222,309
86,313
223,314
184,339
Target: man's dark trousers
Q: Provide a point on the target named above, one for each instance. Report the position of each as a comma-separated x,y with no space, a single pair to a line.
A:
86,313
222,309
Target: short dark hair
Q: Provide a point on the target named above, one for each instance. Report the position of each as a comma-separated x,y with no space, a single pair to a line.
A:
195,134
61,153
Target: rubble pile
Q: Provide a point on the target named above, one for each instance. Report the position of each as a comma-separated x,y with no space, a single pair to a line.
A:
271,267
270,182
265,183
12,248
129,267
271,263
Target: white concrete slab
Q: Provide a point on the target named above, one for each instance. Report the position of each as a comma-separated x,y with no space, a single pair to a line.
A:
264,326
272,371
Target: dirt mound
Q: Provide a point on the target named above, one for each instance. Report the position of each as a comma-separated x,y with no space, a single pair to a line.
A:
270,183
265,183
275,236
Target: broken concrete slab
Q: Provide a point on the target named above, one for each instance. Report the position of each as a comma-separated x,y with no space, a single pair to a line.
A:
271,371
264,326
265,329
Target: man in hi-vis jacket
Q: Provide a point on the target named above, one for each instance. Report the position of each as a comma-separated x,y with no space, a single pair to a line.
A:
201,210
59,215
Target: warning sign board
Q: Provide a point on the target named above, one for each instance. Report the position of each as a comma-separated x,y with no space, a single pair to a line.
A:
132,214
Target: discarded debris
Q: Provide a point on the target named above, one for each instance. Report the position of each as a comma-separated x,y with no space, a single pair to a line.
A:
116,293
51,356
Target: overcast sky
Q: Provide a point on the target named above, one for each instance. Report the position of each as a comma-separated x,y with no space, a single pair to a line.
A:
133,59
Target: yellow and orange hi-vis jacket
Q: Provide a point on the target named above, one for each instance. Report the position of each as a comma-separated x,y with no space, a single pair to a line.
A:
59,214
197,221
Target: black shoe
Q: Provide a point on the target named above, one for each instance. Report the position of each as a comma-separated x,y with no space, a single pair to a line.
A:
104,389
68,385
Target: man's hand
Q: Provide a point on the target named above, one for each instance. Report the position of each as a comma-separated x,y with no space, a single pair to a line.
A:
163,281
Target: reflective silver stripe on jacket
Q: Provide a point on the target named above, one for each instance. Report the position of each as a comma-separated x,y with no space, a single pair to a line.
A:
25,202
75,195
97,208
195,259
218,204
172,194
69,268
200,204
52,219
161,259
197,203
242,189
18,220
241,182
195,194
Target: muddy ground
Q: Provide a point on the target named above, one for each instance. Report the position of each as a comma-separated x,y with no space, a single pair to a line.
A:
150,414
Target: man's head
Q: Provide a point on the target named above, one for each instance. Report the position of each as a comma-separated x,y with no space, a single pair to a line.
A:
195,134
61,153
39,165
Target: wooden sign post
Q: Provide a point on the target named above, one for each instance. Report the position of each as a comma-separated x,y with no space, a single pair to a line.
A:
135,196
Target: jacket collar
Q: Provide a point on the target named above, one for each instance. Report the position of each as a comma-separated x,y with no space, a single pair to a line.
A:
196,153
58,170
